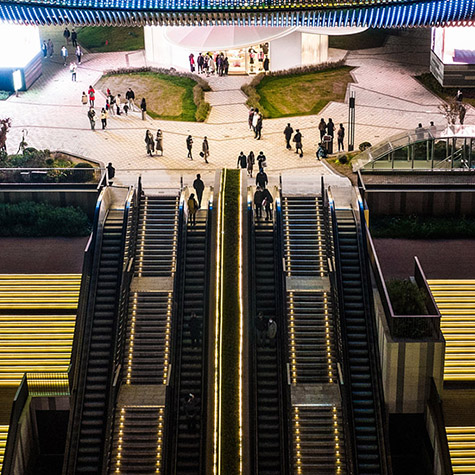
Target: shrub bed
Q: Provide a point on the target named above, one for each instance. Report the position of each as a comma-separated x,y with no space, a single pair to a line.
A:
30,219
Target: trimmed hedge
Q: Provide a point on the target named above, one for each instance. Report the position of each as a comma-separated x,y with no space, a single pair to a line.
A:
30,219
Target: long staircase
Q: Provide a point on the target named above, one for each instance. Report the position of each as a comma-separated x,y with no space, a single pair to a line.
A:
190,361
97,378
355,322
270,411
318,436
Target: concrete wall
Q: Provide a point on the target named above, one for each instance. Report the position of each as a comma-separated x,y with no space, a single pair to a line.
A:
452,75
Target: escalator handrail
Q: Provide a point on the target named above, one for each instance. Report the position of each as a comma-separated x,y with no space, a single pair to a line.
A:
375,364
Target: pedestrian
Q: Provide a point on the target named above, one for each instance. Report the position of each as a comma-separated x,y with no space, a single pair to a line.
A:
212,66
261,160
91,114
149,143
255,118
258,128
192,62
104,118
250,118
74,38
64,55
261,179
267,200
288,131
258,198
84,98
340,137
266,64
44,49
298,143
205,150
195,330
226,66
130,96
462,112
66,35
50,47
159,142
199,187
459,96
419,132
331,133
189,146
92,95
192,209
322,127
191,407
242,160
261,327
110,173
143,107
118,103
321,151
432,128
126,108
78,54
272,332
200,61
250,163
72,70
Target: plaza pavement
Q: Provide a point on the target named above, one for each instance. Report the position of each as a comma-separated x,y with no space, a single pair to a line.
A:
389,100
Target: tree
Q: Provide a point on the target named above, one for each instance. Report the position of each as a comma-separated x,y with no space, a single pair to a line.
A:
451,111
5,125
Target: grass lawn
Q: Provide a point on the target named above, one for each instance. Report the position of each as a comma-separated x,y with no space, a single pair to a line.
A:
446,93
118,38
168,97
302,94
364,40
344,168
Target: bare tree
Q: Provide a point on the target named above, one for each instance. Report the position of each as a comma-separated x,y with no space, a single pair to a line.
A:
451,111
5,125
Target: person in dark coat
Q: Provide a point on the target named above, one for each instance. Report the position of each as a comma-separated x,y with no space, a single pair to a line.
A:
249,119
462,112
149,142
195,330
272,332
258,128
261,179
191,408
110,173
74,37
189,146
91,115
267,200
322,127
192,209
143,107
288,135
250,163
199,187
258,198
298,142
159,142
261,327
331,133
242,160
340,137
205,149
261,160
200,61
66,35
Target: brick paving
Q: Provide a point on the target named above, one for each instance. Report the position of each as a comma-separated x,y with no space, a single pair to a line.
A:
388,100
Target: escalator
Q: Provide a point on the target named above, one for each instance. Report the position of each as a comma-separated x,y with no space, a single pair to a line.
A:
270,451
356,325
189,434
97,374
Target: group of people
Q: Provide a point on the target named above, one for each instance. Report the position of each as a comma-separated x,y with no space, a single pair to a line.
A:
327,134
297,139
207,64
255,120
204,148
154,144
247,162
266,330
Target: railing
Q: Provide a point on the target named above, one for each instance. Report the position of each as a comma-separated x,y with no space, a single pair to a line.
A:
32,385
40,176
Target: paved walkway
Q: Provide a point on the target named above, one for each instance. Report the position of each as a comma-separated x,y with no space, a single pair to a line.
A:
388,100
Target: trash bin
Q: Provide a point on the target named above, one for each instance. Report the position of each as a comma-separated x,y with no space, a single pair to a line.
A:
328,143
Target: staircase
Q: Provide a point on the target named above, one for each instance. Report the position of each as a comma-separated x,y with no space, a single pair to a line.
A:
191,360
354,320
97,380
462,449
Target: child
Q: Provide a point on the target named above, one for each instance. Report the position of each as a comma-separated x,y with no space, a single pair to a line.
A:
126,108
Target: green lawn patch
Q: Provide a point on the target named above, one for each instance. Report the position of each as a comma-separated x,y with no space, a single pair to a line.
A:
104,39
364,40
419,227
30,219
298,94
446,93
230,336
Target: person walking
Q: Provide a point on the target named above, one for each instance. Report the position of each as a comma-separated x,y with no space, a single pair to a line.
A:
261,160
340,137
267,200
250,117
159,142
462,112
261,328
149,142
78,54
250,163
199,62
205,149
195,330
255,118
272,332
92,95
130,96
192,62
298,143
261,179
192,209
50,47
199,187
74,38
189,146
104,118
73,70
459,96
331,133
322,127
143,108
258,198
66,35
288,131
110,173
91,114
118,103
258,128
44,49
242,160
64,55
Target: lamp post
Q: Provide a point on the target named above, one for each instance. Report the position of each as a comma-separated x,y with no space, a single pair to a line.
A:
351,122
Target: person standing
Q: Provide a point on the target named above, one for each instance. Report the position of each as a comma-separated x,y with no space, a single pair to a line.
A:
91,114
64,55
199,187
159,142
272,332
66,35
288,131
255,118
74,38
195,330
261,327
205,149
192,62
191,408
331,133
250,117
104,118
78,54
130,96
118,103
459,96
44,49
258,127
432,128
462,112
242,161
192,209
258,198
226,66
267,200
92,95
72,70
110,173
340,137
250,163
322,127
266,64
189,146
143,108
261,179
149,142
298,143
50,47
200,62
